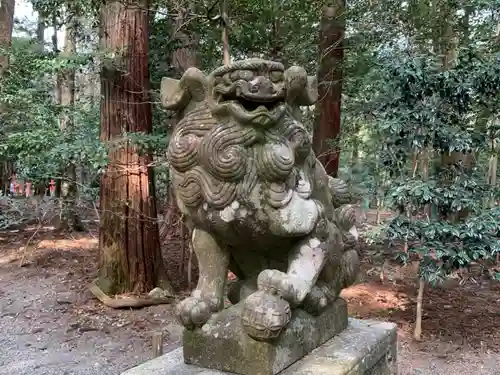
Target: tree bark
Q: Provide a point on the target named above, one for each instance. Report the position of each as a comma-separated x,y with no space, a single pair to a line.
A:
69,219
40,31
6,25
186,55
183,57
330,75
130,257
276,52
226,57
417,333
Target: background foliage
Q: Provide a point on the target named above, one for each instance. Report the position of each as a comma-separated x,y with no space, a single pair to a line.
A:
404,106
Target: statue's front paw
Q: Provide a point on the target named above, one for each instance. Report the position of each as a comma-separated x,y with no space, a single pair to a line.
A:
265,315
193,312
292,289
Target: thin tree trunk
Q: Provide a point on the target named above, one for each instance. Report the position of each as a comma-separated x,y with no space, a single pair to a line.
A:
69,219
6,25
57,94
276,44
225,37
417,333
40,31
425,177
447,42
130,257
330,77
355,149
493,163
184,57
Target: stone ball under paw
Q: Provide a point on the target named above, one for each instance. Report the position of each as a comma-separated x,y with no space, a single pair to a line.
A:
265,315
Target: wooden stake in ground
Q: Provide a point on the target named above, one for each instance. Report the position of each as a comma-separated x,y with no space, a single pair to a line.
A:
157,342
130,257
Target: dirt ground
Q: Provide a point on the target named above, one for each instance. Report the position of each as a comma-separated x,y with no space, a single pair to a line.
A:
51,324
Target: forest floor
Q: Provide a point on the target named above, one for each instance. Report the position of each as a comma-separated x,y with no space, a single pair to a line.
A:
51,324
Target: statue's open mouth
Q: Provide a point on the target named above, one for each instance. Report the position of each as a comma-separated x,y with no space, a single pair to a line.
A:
256,104
251,98
250,104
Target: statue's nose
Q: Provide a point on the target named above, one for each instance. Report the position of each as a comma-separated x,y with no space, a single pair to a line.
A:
261,85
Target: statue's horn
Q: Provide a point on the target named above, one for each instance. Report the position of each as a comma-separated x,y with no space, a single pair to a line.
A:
176,94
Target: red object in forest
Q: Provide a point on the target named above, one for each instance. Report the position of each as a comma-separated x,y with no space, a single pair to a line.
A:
28,189
52,186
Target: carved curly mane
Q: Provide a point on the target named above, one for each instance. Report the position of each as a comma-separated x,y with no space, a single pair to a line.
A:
220,162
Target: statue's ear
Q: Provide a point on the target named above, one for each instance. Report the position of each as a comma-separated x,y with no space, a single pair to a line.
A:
172,95
177,94
301,89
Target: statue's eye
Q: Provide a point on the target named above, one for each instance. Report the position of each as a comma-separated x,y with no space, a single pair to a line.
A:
247,75
276,76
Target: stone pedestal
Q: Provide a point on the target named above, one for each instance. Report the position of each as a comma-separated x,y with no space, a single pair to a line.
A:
363,348
222,344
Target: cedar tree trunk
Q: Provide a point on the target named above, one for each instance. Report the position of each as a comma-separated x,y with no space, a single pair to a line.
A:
327,130
130,256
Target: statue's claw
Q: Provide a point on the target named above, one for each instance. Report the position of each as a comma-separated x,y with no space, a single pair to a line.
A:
292,289
193,312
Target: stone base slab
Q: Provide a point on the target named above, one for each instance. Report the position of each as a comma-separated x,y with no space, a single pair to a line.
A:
363,348
222,344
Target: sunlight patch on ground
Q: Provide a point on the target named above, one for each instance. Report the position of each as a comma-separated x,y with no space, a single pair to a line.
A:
374,299
85,243
31,247
9,258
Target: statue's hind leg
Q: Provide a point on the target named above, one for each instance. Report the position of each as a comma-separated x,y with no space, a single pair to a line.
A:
342,265
339,272
336,275
208,297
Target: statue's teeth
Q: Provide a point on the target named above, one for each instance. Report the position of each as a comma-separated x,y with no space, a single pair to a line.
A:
238,91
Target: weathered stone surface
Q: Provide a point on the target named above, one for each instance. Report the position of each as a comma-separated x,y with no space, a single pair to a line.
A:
258,202
222,344
363,348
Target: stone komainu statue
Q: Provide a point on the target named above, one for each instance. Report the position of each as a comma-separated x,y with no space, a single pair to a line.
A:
256,198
